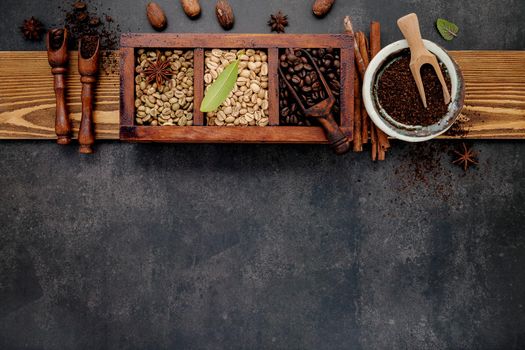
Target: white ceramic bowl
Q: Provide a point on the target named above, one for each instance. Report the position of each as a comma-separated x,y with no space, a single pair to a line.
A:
412,133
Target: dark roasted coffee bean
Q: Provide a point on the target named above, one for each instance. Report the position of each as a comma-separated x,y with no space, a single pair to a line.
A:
285,111
331,75
304,60
308,67
298,67
316,86
322,69
302,73
308,80
296,79
288,77
322,94
315,95
337,63
284,64
307,88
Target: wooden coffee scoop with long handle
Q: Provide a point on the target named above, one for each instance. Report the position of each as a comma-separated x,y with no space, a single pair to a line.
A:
409,26
57,56
88,69
322,111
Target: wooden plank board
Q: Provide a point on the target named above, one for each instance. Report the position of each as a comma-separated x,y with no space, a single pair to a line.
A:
495,96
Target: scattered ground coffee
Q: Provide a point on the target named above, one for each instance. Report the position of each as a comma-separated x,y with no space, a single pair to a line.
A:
398,94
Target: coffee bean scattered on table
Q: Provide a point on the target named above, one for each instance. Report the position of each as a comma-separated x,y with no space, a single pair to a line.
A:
303,76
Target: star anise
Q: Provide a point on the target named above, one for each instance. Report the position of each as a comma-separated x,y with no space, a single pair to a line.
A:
465,158
159,71
32,29
278,21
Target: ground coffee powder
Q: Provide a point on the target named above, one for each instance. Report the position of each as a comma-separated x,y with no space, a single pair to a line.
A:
398,94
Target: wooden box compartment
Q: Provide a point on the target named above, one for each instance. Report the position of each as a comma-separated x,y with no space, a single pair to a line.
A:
199,132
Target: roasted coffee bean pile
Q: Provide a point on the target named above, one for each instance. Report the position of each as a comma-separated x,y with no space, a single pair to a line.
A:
398,94
300,72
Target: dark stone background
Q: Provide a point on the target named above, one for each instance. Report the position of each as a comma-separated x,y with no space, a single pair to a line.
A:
265,247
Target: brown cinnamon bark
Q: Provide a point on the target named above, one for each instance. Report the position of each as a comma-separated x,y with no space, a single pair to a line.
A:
383,144
363,50
358,144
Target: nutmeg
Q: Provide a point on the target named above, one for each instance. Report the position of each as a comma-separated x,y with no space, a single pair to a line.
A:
224,13
156,16
191,8
322,7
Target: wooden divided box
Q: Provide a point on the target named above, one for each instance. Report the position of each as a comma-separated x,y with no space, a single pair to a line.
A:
199,131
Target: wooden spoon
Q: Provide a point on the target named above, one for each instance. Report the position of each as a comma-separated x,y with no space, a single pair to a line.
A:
58,60
88,69
409,26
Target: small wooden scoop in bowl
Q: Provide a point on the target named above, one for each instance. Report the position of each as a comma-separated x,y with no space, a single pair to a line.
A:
409,26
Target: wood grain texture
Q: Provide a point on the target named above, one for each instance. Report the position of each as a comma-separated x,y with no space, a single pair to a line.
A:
495,96
27,99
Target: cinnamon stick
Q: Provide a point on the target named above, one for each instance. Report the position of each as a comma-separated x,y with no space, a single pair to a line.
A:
363,50
358,145
373,141
383,144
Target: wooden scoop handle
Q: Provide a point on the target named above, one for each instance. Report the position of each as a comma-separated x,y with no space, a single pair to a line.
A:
62,124
409,26
337,139
86,136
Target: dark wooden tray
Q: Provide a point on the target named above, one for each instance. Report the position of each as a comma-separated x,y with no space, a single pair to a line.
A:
199,132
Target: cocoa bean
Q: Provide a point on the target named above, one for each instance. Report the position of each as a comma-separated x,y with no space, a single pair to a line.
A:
322,7
224,13
156,16
191,8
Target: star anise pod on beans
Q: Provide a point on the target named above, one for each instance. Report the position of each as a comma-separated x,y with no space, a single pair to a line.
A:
465,158
32,29
159,71
278,21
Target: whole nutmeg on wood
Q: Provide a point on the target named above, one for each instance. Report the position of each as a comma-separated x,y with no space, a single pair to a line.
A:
156,16
322,7
191,8
224,13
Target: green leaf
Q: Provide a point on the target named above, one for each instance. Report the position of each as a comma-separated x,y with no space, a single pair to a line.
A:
448,30
221,88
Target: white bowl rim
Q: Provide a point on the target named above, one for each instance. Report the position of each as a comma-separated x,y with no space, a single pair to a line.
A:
378,61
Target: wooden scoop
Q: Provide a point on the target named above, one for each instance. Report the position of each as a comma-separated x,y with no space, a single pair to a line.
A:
58,60
322,111
88,69
420,56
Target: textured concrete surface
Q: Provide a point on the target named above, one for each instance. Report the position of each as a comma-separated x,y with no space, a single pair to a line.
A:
265,247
